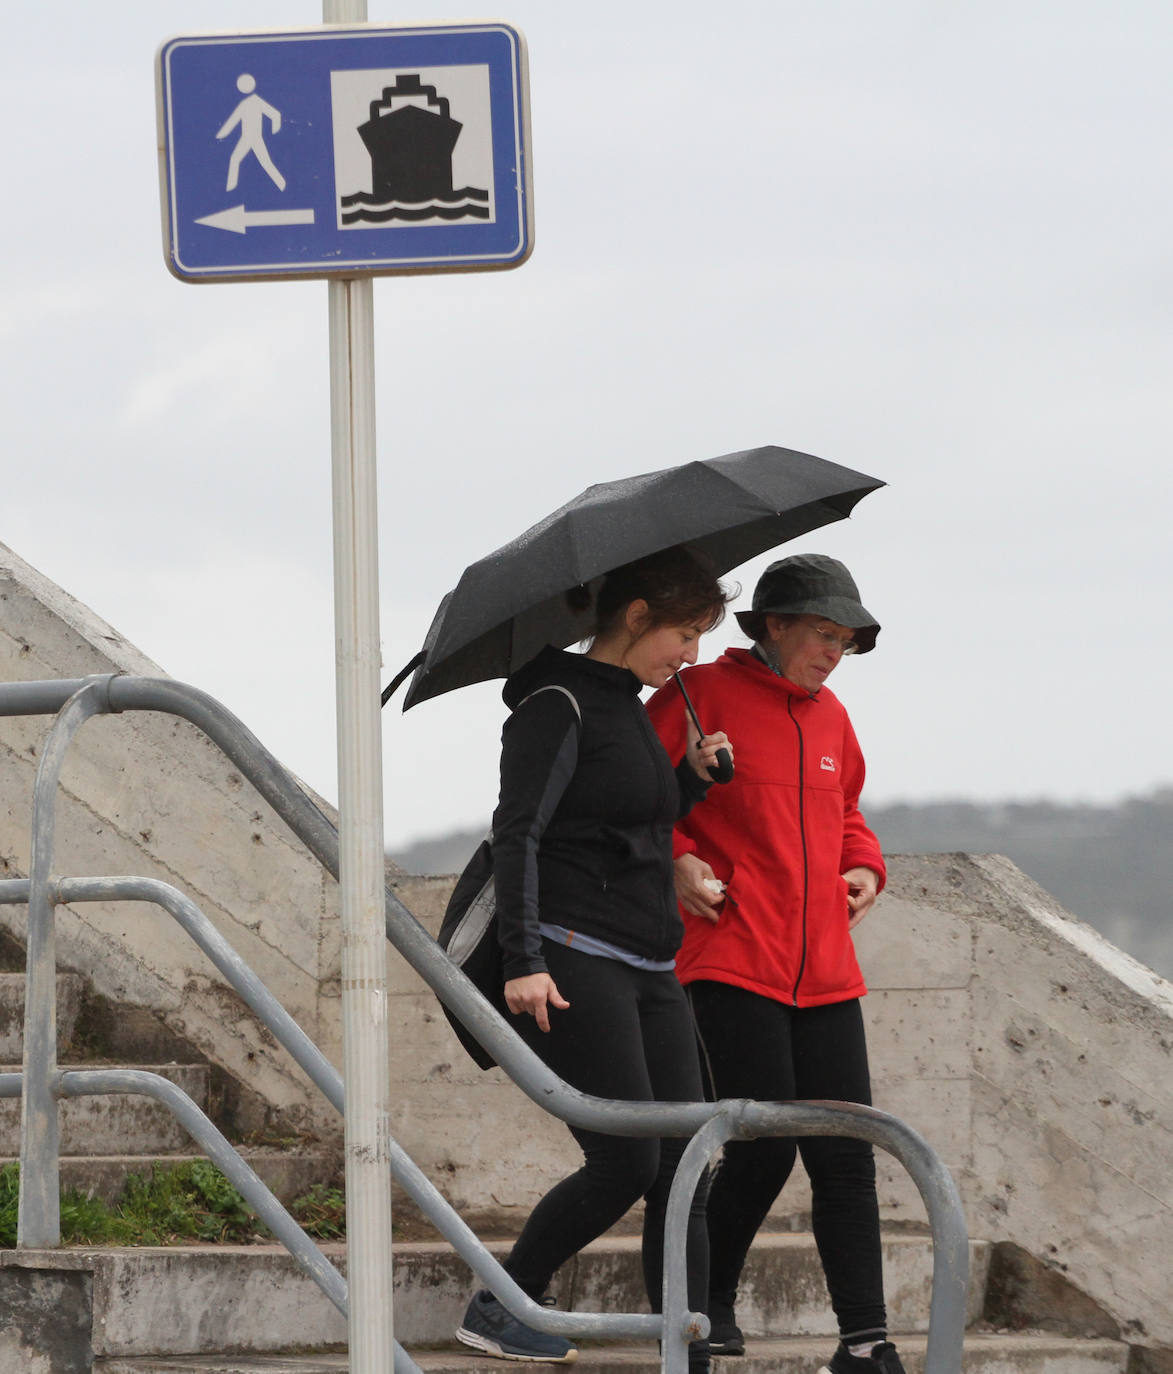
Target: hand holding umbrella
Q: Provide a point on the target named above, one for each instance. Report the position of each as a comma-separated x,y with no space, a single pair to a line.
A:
722,771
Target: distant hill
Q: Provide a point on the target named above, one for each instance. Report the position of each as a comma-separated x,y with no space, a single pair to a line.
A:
1112,866
441,853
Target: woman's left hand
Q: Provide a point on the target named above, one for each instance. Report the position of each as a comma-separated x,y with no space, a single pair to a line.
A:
702,753
862,886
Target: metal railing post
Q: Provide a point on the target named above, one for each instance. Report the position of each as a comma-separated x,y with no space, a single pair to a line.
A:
38,1221
681,1325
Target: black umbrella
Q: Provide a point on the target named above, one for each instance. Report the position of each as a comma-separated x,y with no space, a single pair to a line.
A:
511,604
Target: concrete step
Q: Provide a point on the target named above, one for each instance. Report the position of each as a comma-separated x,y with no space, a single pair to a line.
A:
202,1299
118,1124
288,1175
182,1300
782,1288
984,1353
69,994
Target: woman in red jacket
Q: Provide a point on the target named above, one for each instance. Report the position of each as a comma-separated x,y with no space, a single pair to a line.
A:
772,873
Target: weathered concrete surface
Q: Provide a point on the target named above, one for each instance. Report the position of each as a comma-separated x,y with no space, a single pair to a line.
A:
45,1322
1019,1287
106,1125
782,1288
149,795
984,1354
193,1300
69,989
1047,1085
187,1300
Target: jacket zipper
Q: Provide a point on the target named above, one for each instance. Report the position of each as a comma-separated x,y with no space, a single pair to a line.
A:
802,836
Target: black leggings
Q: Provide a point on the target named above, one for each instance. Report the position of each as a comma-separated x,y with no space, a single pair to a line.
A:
752,1046
628,1034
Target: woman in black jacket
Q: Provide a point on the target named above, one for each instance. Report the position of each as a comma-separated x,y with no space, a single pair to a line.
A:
588,921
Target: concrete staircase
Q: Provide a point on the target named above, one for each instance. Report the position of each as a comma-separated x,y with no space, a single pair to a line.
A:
103,1139
178,1311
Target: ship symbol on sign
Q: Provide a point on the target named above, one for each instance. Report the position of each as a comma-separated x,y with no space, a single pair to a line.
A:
410,137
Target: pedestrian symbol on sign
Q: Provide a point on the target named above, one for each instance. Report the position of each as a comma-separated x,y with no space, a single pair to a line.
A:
251,114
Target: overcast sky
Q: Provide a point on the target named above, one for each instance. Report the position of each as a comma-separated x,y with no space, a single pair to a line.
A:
930,241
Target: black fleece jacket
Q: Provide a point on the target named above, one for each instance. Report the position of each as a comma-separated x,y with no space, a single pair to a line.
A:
582,833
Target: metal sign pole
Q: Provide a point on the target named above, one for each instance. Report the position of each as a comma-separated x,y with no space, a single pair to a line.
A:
366,1057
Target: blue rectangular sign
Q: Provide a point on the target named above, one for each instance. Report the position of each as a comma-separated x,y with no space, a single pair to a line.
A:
344,151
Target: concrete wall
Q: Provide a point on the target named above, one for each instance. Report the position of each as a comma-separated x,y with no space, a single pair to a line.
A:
1029,1052
149,795
1065,1144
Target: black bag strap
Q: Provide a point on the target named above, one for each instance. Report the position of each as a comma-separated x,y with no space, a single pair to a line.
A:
468,932
549,687
555,687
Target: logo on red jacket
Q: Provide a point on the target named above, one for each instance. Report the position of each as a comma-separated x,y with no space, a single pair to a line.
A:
827,763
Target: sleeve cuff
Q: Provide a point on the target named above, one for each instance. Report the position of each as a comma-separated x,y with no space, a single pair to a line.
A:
522,968
691,784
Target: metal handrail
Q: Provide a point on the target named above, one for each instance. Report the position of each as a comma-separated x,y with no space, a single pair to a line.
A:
714,1122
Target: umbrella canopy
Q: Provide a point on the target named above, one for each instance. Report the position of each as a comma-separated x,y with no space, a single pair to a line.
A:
510,604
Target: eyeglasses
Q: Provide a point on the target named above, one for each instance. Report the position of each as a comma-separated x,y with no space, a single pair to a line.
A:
832,641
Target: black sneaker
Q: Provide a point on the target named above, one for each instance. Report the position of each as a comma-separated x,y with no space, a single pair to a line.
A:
490,1327
725,1336
883,1357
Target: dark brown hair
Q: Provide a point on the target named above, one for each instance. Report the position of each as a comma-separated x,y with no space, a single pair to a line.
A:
679,584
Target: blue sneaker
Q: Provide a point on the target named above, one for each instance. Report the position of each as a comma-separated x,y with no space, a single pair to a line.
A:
491,1327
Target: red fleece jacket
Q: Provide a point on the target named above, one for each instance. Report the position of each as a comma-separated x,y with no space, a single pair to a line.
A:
780,834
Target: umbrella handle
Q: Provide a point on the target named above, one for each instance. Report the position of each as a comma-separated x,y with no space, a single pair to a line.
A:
723,770
391,688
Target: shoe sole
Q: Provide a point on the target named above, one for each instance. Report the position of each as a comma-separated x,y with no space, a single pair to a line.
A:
490,1347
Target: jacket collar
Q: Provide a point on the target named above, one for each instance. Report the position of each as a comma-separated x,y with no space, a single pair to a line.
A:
552,664
752,660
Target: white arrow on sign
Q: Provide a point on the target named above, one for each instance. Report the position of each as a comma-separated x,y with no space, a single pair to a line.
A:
238,220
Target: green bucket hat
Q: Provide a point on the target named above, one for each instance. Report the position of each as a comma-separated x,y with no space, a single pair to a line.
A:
810,584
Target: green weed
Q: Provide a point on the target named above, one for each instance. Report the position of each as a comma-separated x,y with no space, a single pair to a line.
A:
321,1213
172,1205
